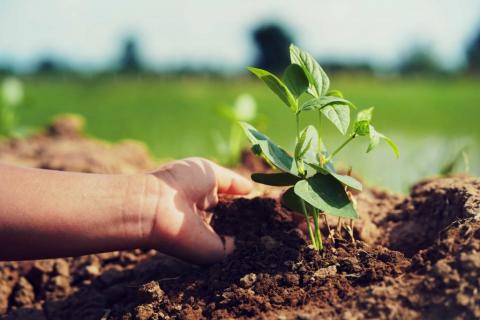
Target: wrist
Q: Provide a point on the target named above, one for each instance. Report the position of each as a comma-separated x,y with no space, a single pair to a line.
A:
140,206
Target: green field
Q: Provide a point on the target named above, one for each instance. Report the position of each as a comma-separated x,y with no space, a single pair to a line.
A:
430,119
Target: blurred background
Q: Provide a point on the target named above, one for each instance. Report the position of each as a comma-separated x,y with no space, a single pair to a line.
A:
161,72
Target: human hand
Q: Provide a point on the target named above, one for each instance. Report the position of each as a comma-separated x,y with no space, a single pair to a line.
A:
188,189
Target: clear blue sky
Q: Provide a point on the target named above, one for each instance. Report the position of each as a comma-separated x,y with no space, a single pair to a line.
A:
88,33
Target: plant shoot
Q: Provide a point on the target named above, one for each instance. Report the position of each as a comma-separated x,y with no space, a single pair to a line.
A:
315,187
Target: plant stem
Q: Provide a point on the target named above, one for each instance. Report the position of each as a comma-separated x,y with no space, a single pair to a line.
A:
321,157
324,216
350,138
316,237
318,234
319,130
297,118
309,227
349,228
339,227
299,162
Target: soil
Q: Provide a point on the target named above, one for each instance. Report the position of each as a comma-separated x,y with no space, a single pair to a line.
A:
415,257
63,146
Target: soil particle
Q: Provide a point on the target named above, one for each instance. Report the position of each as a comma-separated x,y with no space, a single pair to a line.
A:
323,273
151,291
23,295
248,280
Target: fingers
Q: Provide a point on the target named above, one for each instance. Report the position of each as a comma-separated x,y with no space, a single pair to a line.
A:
229,245
230,182
200,244
207,216
209,202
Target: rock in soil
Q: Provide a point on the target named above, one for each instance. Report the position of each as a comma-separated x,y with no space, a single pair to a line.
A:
416,257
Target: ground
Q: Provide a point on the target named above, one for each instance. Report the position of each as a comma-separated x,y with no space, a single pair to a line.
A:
415,256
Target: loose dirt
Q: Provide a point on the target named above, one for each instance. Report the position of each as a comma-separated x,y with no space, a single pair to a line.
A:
415,257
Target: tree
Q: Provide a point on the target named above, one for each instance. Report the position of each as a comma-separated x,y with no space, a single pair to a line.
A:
473,54
419,60
130,60
272,43
48,65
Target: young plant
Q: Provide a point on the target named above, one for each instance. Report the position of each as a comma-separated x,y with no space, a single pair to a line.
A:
244,109
315,188
11,96
449,168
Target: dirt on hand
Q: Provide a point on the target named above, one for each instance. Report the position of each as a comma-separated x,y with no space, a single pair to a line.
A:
416,257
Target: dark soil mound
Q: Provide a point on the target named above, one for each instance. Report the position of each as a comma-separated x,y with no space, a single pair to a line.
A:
417,257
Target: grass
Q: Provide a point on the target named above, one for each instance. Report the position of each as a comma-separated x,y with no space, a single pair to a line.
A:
429,118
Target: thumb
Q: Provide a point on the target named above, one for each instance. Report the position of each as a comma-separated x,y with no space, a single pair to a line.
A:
230,182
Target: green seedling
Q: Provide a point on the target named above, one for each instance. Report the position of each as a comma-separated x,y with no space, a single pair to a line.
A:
314,187
11,97
244,109
449,168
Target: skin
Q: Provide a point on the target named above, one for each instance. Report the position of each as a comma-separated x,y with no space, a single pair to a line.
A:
46,214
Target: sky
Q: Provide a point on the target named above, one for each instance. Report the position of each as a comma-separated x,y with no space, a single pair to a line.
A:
88,33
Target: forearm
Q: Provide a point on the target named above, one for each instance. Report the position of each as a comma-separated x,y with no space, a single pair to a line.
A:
51,214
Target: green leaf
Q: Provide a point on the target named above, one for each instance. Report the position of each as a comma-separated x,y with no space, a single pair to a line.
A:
295,79
312,157
319,103
312,153
308,142
277,86
349,181
365,115
278,179
339,115
361,128
293,202
301,148
318,79
374,138
392,144
300,143
326,193
336,93
272,152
